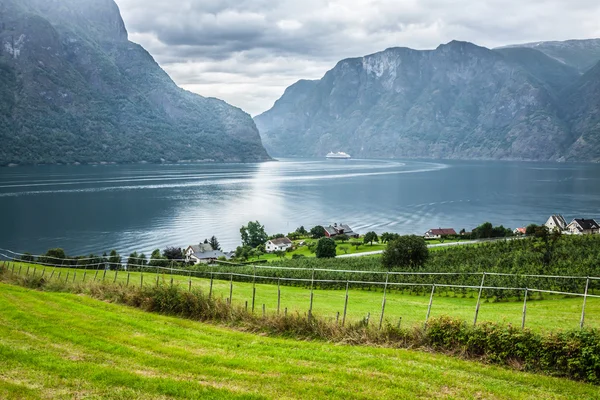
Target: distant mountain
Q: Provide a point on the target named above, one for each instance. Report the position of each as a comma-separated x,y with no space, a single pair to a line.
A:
457,101
580,54
73,88
582,114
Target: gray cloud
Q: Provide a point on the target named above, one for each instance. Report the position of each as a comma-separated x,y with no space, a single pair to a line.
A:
247,52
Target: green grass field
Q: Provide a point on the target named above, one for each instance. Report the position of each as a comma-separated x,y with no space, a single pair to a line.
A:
551,313
64,346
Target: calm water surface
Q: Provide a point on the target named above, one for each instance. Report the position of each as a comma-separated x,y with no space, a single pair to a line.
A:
88,209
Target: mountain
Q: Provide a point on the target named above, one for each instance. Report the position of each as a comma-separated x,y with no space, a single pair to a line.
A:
582,113
580,54
74,89
457,101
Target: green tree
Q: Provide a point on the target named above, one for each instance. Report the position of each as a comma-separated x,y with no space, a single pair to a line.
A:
55,256
279,253
317,232
312,247
531,229
28,257
253,234
214,243
370,237
301,231
345,249
114,260
142,262
405,252
325,248
157,260
173,253
132,261
341,238
243,252
257,252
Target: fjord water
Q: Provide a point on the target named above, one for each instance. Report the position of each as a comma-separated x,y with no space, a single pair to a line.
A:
91,209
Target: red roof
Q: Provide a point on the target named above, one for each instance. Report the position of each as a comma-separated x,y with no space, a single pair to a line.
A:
442,232
521,230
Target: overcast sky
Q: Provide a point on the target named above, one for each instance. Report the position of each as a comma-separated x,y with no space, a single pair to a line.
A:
247,52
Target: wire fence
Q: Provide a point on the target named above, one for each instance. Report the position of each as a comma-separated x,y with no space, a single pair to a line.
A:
482,284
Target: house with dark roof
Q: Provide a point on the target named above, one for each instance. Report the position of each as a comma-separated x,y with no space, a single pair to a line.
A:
203,253
438,233
582,226
279,244
334,230
556,222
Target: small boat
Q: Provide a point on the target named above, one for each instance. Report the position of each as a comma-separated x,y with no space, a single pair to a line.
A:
338,155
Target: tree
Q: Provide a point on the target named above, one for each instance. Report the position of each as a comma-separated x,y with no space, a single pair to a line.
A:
142,261
326,248
277,236
312,247
388,237
114,260
531,229
370,237
55,256
157,260
548,242
406,251
279,253
341,238
356,244
257,252
483,231
253,234
317,232
28,257
243,252
132,261
214,243
345,249
301,231
173,253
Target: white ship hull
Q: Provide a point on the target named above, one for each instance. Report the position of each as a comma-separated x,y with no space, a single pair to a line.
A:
338,156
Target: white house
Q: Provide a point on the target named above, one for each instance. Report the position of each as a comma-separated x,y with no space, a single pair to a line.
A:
203,253
583,227
438,233
556,222
280,244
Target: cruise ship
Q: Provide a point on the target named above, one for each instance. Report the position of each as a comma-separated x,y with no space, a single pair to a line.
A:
340,155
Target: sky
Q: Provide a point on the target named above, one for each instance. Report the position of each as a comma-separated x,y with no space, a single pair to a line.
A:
247,52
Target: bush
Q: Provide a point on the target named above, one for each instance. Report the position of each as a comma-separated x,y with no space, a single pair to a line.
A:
326,248
405,251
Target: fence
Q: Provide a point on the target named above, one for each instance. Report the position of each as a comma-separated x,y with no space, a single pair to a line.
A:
429,282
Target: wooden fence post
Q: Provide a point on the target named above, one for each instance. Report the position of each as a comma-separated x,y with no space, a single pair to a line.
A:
312,284
479,299
116,272
524,309
211,284
190,283
96,276
429,307
128,276
345,303
278,294
230,288
264,310
253,288
387,275
587,285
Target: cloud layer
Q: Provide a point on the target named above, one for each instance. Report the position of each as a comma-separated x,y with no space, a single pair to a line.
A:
247,52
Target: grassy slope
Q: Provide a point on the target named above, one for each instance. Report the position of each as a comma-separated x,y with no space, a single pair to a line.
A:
554,312
65,346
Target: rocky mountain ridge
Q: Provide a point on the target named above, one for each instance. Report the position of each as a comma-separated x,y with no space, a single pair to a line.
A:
74,89
458,101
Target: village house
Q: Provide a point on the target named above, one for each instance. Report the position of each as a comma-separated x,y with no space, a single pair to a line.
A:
203,253
438,233
340,229
520,231
582,226
556,222
279,244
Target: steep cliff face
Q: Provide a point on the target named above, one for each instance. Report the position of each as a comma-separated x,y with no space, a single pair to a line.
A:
78,91
582,113
457,101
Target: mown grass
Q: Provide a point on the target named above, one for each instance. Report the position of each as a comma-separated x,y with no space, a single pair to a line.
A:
57,345
550,314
